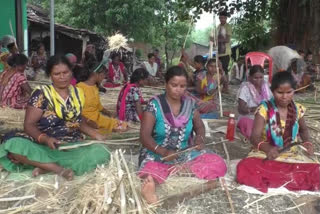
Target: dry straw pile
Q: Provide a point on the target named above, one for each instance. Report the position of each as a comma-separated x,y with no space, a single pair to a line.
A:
110,189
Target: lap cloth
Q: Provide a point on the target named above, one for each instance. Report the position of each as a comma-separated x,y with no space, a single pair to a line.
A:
206,166
80,160
291,169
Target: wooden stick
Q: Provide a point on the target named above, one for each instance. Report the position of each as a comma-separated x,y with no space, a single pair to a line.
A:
217,62
123,202
190,149
191,192
17,198
299,89
135,195
227,154
224,184
109,142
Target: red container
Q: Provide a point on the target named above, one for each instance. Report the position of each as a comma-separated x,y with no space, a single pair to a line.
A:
231,127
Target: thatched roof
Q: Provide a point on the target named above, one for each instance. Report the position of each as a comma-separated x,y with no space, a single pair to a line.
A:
40,16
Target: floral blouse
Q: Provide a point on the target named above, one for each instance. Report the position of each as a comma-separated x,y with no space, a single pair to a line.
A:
51,124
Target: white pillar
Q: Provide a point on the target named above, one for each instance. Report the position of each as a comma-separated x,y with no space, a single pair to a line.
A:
52,51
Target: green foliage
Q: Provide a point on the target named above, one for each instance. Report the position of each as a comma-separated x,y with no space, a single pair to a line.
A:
202,36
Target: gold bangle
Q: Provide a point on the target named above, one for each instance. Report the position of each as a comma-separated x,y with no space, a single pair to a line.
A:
39,137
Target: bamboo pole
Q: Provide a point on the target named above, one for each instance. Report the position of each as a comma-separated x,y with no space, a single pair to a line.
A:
123,202
135,194
108,142
214,34
225,186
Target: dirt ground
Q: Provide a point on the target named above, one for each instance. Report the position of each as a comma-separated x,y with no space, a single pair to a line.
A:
216,200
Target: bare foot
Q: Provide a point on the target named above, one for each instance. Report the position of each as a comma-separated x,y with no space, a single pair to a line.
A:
148,190
67,174
37,171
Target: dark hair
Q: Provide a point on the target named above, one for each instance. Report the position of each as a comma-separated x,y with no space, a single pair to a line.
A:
150,55
175,71
199,59
114,55
255,69
11,45
212,60
17,59
309,53
139,74
300,51
56,60
224,13
91,67
156,50
282,78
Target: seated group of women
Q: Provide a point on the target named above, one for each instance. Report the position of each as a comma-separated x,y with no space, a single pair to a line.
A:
58,113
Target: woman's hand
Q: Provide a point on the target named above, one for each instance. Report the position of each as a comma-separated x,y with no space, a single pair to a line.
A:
52,142
199,141
309,147
101,137
273,153
169,155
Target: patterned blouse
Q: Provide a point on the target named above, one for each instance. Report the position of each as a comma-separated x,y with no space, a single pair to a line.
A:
51,124
133,96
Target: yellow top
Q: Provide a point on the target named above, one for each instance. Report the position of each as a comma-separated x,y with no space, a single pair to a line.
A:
92,108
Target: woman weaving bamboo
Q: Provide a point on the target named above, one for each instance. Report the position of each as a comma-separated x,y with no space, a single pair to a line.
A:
207,88
53,117
277,124
96,115
167,127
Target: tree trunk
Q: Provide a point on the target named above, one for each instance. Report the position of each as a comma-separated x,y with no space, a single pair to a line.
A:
298,23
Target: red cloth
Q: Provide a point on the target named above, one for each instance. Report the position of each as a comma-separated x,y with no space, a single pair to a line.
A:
262,174
111,71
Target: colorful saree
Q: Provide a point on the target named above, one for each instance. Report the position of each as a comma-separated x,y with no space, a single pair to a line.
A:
11,92
126,105
293,169
62,123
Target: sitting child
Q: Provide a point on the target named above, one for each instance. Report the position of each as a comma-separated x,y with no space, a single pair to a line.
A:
93,111
129,105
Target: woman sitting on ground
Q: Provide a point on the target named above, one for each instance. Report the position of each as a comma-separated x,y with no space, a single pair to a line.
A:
249,96
38,61
117,74
91,76
276,160
130,101
207,87
167,127
53,118
14,88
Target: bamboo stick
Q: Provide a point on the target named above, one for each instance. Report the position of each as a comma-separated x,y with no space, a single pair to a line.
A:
108,142
173,200
135,195
123,202
190,149
17,198
299,89
223,182
217,61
